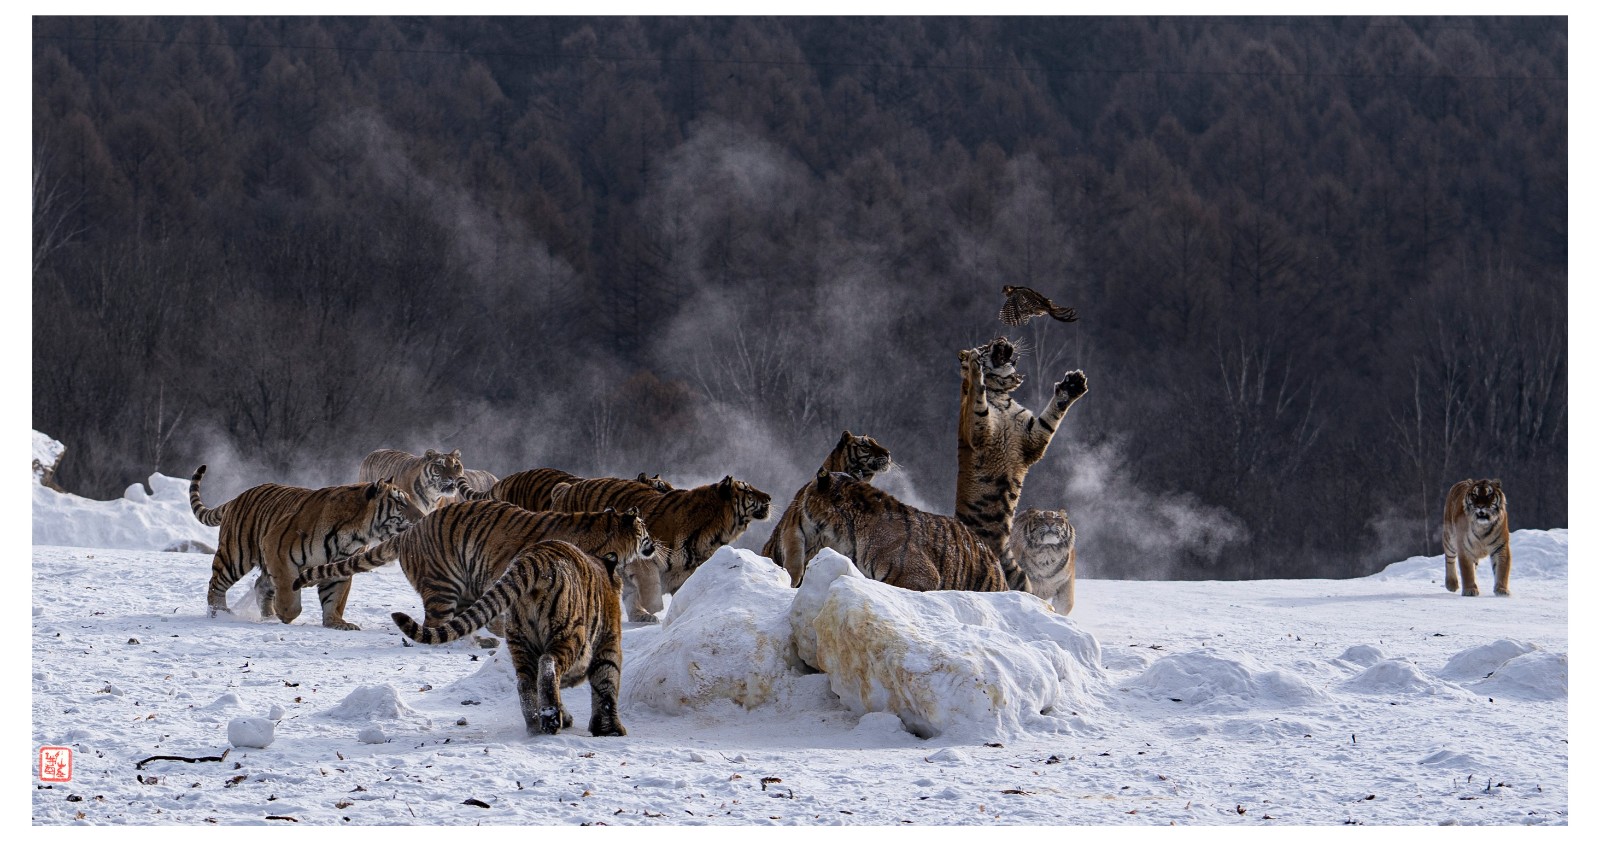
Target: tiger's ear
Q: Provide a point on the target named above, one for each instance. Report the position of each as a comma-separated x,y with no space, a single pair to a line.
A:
824,479
725,488
431,454
375,488
641,477
1495,483
845,439
455,454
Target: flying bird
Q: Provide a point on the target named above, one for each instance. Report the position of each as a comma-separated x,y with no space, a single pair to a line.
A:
1023,304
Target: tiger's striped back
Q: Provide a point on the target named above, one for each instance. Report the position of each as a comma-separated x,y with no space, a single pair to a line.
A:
457,551
427,478
689,524
564,628
893,542
859,456
531,489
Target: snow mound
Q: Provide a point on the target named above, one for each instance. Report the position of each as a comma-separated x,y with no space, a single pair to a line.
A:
1211,684
965,666
251,732
1536,554
1362,654
1396,676
1451,759
1479,661
372,701
46,453
1537,676
138,521
726,637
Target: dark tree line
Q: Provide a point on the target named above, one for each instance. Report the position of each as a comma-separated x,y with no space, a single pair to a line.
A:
1320,263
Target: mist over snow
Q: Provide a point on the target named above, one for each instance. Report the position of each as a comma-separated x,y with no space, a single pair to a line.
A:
1380,700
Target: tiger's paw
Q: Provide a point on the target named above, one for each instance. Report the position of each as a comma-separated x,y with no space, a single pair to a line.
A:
1470,591
642,617
1073,385
486,642
1499,592
599,727
341,625
550,720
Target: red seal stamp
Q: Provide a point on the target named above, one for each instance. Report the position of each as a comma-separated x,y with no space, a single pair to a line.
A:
55,764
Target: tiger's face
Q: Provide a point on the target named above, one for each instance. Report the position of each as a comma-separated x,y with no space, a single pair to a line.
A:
998,361
1484,501
443,469
1042,529
396,510
865,458
749,503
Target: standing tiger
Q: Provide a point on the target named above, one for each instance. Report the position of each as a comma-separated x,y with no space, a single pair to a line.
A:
1476,525
455,553
531,489
1044,546
998,439
426,478
893,542
859,456
284,530
564,627
689,524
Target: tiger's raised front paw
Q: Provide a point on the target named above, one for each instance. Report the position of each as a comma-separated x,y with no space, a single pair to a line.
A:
1073,385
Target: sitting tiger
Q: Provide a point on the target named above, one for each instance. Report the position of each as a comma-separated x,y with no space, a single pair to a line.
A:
893,542
1044,545
564,628
859,456
454,553
1476,525
531,489
284,530
998,439
426,478
689,524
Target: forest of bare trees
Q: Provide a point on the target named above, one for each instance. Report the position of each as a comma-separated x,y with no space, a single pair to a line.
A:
1320,264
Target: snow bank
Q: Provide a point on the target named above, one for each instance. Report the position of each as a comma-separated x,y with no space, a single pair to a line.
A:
1212,684
1395,676
726,637
372,701
1536,554
1536,676
157,520
966,666
1479,661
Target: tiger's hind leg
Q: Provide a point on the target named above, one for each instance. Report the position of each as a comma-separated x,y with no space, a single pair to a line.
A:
225,571
537,688
1502,571
605,676
333,596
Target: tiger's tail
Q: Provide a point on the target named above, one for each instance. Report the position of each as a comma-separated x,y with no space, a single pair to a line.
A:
209,517
511,586
370,558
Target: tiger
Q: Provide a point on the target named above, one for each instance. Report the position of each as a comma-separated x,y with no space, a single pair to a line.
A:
284,530
426,478
457,551
564,628
998,439
1044,546
1476,525
531,489
475,480
892,542
689,524
859,456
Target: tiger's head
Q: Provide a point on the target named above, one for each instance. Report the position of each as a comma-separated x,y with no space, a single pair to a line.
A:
860,456
1485,502
1042,530
443,470
655,482
628,542
997,361
749,503
391,509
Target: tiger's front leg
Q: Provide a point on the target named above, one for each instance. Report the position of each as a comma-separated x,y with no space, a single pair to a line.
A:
641,591
333,596
1469,574
1502,571
1451,582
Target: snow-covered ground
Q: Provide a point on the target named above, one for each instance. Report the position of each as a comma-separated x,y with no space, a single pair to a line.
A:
1383,700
